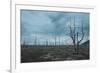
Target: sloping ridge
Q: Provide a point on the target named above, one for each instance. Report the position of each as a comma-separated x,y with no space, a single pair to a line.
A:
86,42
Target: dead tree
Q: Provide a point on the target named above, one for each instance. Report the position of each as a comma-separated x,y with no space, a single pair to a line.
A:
59,40
35,40
55,38
46,42
76,36
24,43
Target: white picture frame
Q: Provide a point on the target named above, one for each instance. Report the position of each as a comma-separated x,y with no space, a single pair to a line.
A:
17,67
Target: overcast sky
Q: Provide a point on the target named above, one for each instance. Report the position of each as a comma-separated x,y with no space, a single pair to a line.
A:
46,25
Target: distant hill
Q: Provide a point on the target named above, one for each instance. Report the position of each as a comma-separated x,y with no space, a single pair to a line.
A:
86,43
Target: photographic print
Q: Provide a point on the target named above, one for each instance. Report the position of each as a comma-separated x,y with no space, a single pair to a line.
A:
47,36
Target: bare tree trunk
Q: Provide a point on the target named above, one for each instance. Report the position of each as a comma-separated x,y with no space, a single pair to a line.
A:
77,44
35,41
75,35
55,41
